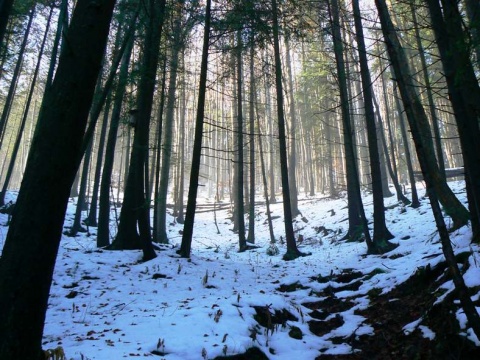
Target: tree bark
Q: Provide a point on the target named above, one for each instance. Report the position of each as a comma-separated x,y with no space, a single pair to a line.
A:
31,247
292,250
167,131
239,206
381,235
135,209
103,230
356,218
186,245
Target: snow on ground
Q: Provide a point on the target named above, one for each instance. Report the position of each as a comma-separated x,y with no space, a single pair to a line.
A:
109,305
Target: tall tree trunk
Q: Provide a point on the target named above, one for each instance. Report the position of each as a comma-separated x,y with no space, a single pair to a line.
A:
167,131
91,220
181,155
356,214
384,155
161,107
251,120
103,231
135,210
186,245
387,160
292,250
62,23
81,201
408,157
418,120
239,206
31,246
381,235
292,158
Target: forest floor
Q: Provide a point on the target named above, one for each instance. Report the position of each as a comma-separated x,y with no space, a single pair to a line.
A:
337,303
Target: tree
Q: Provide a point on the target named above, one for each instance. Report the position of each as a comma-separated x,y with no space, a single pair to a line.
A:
135,209
186,245
292,250
239,206
356,217
381,235
32,242
103,231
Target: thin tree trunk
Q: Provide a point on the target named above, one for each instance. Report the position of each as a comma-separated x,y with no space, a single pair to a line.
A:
158,148
167,131
186,245
91,220
381,235
408,157
356,213
61,24
251,120
103,231
239,206
292,159
292,250
387,159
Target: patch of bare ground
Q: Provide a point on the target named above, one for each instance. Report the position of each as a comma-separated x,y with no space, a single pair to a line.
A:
412,300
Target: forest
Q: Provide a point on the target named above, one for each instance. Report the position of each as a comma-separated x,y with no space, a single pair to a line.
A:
239,179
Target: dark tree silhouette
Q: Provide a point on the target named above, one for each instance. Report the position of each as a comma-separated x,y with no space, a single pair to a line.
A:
30,250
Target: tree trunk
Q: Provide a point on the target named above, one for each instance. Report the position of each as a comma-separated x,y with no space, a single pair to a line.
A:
103,231
381,235
135,210
186,245
292,158
168,135
91,220
181,155
356,218
161,107
61,24
292,250
239,206
31,247
251,120
431,104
